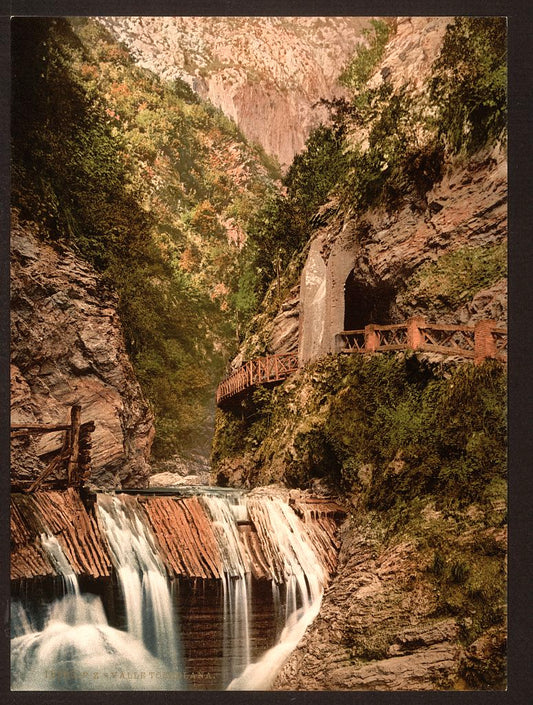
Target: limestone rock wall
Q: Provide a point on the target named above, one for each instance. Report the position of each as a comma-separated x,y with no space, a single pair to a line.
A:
468,208
67,347
382,625
267,73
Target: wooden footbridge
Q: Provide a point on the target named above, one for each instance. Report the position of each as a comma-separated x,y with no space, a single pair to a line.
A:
486,339
261,370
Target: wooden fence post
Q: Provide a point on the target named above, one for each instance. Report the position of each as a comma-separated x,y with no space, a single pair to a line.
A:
415,339
371,338
484,343
85,445
72,468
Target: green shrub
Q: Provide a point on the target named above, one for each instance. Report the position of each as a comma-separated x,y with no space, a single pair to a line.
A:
360,68
455,277
469,83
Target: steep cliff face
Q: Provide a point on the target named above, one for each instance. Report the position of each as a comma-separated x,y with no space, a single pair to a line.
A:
397,261
67,347
393,617
439,252
266,73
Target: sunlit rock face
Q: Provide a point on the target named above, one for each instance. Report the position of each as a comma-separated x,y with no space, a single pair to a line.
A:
67,347
266,73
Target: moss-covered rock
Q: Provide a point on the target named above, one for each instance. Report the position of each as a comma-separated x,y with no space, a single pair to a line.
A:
388,428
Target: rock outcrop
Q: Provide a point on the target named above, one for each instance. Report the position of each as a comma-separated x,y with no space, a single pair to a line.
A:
267,73
382,624
187,469
381,249
68,347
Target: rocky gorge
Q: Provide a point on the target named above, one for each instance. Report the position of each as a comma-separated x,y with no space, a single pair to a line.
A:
266,73
383,623
408,608
410,445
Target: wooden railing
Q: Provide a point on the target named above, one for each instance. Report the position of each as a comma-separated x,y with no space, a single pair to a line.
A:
261,370
73,460
486,339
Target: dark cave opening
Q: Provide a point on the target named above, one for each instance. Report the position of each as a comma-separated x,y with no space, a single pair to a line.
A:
367,303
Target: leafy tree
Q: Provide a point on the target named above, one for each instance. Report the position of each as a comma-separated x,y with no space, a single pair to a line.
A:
283,225
315,171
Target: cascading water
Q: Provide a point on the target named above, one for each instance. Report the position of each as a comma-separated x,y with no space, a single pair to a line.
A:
150,611
236,640
63,567
78,650
304,578
75,648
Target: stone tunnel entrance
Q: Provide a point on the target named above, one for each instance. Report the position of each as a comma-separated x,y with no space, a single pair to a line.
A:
367,303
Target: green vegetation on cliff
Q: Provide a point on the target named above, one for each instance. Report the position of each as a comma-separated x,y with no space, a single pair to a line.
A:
384,146
150,185
389,428
417,450
360,68
469,83
455,278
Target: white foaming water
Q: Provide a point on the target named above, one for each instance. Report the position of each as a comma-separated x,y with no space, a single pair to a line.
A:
21,623
60,561
305,579
235,583
294,561
78,650
151,616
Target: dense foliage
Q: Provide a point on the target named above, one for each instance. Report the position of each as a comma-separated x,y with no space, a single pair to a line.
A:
421,432
151,186
281,227
469,82
360,68
455,278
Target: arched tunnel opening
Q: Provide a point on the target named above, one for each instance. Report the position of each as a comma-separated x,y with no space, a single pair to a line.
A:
367,303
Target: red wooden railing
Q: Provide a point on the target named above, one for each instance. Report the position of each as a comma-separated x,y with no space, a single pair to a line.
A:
485,339
261,370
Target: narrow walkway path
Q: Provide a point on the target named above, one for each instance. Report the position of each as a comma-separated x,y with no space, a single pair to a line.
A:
486,339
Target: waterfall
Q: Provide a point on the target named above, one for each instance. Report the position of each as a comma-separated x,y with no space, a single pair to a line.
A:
53,548
304,578
236,593
150,611
78,650
257,538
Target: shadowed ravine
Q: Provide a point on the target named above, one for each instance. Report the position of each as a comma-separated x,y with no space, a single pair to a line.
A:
154,623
